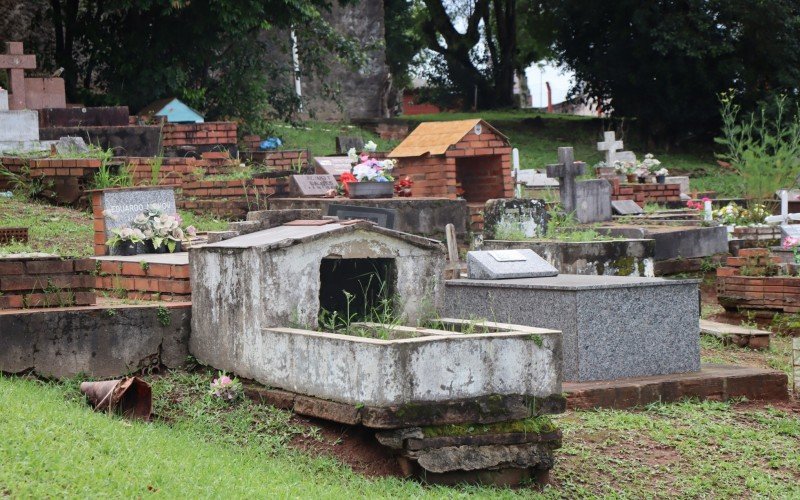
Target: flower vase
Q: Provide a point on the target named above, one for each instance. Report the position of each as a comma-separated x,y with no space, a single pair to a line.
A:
163,248
642,180
631,178
370,189
661,179
128,248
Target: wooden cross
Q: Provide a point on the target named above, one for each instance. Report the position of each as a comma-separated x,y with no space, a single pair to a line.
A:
566,170
610,145
16,63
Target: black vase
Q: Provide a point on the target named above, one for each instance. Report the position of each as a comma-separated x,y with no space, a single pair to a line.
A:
128,248
163,248
661,179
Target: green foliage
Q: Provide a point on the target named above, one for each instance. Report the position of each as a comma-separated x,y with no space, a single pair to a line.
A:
111,176
164,318
57,230
155,170
228,59
764,150
23,183
664,65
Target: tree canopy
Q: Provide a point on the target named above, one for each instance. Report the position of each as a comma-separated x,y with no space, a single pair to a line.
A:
664,62
218,55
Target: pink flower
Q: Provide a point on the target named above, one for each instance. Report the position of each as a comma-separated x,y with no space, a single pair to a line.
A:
705,199
790,242
191,231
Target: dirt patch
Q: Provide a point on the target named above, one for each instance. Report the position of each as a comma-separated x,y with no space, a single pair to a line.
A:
355,446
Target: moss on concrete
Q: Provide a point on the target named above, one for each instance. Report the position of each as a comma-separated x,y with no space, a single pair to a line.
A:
532,425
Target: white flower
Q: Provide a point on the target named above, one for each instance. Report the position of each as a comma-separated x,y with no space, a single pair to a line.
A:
363,171
389,164
109,215
138,234
352,154
370,147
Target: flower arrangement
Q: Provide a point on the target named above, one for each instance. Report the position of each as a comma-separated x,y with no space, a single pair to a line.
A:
125,235
624,167
226,388
650,164
160,228
403,187
697,205
733,214
366,168
661,172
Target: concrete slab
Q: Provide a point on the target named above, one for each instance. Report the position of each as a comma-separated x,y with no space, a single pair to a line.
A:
713,382
739,335
177,258
19,126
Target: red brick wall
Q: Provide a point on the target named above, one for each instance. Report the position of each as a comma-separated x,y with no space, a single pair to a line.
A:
65,179
279,160
646,193
46,282
734,291
229,199
135,281
198,134
438,175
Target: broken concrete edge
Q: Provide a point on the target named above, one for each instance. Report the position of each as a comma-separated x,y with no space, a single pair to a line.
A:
713,382
101,307
481,410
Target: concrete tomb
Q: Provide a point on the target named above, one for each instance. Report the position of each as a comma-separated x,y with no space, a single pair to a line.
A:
505,264
626,207
518,217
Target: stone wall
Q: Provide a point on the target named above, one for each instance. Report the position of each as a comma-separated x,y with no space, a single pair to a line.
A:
145,281
175,135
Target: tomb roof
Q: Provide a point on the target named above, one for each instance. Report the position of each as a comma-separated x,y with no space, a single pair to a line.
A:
289,235
435,138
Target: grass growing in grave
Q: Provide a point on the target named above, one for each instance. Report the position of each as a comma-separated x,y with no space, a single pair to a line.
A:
320,137
202,222
55,445
56,230
777,357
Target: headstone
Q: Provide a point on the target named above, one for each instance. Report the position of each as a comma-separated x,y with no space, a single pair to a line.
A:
626,207
566,170
790,230
534,178
593,201
523,217
343,144
120,206
626,157
610,145
681,180
311,185
507,264
16,63
383,217
333,165
71,145
3,99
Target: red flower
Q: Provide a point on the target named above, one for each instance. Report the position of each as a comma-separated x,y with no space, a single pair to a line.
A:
345,179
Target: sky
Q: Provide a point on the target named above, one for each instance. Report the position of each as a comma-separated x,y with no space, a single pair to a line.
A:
559,79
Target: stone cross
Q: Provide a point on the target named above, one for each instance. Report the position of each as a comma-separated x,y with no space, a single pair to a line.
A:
566,170
610,145
16,63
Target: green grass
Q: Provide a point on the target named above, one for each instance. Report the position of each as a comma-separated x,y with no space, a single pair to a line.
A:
56,230
320,137
202,222
54,445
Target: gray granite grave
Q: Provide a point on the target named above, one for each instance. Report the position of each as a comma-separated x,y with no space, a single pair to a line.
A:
333,165
613,326
120,206
593,201
312,185
71,145
524,217
344,143
626,207
506,264
627,157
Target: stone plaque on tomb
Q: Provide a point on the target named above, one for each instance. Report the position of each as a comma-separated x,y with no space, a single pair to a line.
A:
120,206
505,264
343,144
593,201
626,207
626,156
790,230
383,217
533,178
333,165
311,185
513,219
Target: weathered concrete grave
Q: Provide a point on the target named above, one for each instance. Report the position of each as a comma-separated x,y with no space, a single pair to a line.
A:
609,258
520,217
626,207
312,185
790,230
593,201
674,242
344,143
505,264
613,326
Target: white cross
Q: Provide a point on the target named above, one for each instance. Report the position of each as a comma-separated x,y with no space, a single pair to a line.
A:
610,145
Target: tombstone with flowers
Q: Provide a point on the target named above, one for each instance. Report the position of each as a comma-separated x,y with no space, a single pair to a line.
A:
369,177
151,231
